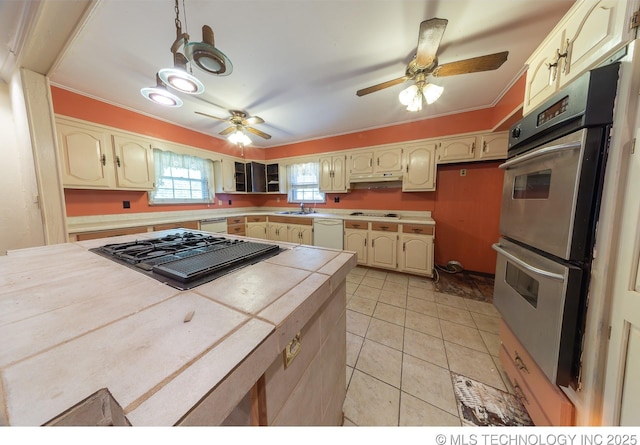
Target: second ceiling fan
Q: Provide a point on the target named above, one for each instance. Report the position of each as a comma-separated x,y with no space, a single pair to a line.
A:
425,63
239,121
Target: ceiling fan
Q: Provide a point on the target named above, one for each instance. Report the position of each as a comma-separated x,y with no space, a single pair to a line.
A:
425,63
239,121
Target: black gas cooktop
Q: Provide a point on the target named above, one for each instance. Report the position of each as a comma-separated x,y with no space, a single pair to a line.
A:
185,260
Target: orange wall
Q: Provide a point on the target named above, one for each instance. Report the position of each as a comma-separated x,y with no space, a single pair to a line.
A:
467,215
466,209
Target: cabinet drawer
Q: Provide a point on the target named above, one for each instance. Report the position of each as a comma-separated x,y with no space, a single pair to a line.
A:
179,225
107,233
362,225
251,219
523,392
554,403
236,229
291,220
235,220
384,226
418,229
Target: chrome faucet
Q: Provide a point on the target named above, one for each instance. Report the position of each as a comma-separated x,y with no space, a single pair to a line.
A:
302,207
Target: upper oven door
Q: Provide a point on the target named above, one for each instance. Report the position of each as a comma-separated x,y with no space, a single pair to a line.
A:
548,195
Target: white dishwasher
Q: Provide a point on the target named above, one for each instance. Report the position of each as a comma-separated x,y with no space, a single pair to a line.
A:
328,233
216,225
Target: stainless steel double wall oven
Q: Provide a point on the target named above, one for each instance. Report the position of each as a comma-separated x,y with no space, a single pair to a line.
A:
551,198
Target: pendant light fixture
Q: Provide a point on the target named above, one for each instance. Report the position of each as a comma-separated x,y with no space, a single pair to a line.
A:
203,54
412,96
160,95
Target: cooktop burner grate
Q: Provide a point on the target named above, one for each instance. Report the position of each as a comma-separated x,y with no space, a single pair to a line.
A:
186,260
196,266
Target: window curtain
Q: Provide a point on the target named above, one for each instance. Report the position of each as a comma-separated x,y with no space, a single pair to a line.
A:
181,178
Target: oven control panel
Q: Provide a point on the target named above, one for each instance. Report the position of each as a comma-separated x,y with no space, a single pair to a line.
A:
554,110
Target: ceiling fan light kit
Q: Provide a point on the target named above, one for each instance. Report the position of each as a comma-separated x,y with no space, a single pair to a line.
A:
425,63
202,54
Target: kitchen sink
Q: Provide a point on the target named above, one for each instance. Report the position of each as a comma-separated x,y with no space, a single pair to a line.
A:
294,213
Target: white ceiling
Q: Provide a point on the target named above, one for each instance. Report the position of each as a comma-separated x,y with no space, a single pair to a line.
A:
298,63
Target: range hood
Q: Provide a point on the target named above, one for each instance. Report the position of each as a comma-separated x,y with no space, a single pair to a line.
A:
375,177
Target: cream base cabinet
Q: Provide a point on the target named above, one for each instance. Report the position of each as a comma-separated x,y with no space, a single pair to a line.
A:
590,32
134,162
383,246
278,232
300,234
333,177
356,239
256,227
420,170
416,249
85,155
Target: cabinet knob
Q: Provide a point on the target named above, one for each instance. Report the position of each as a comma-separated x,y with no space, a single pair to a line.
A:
103,159
520,363
118,161
520,394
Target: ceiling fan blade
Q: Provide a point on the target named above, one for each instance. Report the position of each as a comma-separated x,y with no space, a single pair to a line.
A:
213,117
431,32
381,86
254,120
473,65
227,131
258,132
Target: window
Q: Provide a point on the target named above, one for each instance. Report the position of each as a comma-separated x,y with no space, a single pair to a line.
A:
304,182
181,179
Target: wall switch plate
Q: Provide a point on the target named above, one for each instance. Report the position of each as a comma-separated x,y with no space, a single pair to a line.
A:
126,204
229,202
463,172
219,202
336,199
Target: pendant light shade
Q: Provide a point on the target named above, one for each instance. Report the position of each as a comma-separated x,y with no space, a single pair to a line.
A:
178,77
160,95
202,54
206,56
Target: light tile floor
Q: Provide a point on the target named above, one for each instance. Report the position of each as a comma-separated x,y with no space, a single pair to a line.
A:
404,341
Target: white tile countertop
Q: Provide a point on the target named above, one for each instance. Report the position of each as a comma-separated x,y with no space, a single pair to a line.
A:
73,323
79,224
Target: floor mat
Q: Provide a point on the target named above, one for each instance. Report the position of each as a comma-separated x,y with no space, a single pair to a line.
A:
482,405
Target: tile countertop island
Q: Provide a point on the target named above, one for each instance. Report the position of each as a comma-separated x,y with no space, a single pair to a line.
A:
76,326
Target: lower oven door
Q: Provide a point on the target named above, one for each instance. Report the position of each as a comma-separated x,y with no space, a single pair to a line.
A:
539,299
549,194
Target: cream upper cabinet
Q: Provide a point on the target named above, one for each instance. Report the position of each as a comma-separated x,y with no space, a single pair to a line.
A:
456,149
333,178
85,156
94,157
383,160
388,160
134,162
420,168
493,146
590,32
479,147
361,162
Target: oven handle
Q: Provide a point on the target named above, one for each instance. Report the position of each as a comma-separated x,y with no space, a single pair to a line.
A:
540,152
498,248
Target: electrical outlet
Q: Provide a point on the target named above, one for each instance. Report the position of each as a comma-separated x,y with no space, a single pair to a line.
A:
336,199
219,202
463,172
126,204
229,202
